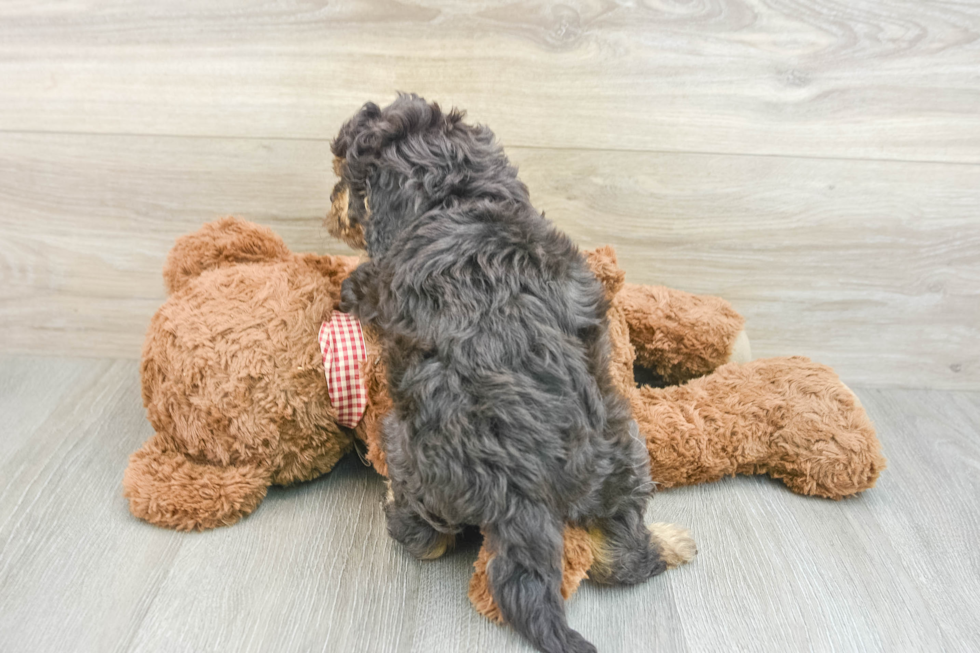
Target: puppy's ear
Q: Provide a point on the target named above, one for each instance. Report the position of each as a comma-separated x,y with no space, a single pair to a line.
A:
355,134
362,139
360,142
349,210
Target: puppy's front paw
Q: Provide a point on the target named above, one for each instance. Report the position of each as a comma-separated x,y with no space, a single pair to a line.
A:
348,296
676,545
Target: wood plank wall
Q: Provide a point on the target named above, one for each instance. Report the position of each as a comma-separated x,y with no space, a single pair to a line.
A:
818,163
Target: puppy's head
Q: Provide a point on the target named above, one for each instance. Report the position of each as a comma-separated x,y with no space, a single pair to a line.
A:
393,138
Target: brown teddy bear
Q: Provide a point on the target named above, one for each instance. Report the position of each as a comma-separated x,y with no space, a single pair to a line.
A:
234,386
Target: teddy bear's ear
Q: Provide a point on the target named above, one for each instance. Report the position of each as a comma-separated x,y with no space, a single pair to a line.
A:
228,241
602,260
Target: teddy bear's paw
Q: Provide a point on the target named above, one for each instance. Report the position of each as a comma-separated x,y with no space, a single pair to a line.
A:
676,545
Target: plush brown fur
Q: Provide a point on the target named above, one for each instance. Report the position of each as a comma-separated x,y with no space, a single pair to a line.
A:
790,418
577,558
233,385
661,321
232,379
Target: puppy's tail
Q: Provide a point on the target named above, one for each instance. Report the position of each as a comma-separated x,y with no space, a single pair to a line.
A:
525,579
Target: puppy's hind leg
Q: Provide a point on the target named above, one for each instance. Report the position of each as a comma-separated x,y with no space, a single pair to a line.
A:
405,524
674,542
525,578
416,534
627,551
624,551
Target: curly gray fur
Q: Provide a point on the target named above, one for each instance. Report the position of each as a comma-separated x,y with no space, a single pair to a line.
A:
497,347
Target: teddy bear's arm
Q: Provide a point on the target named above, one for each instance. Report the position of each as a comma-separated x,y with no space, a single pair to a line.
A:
680,336
677,335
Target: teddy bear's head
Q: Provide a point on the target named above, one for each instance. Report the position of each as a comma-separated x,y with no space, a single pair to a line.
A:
232,378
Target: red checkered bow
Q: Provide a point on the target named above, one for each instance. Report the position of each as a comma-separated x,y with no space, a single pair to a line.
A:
342,345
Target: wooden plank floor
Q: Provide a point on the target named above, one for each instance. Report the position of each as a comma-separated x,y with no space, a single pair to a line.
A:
896,569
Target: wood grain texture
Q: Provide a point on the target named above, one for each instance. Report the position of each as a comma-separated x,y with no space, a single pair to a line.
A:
313,569
76,571
858,79
816,163
871,267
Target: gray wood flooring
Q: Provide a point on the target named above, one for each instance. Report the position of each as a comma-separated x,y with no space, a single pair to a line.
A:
897,569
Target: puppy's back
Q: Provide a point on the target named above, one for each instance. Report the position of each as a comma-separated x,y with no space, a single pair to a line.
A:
502,330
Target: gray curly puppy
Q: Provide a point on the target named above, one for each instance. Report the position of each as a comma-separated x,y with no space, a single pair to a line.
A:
496,342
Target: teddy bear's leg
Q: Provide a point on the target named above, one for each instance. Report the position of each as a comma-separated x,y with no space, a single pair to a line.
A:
680,336
225,242
576,560
826,445
675,544
167,489
790,418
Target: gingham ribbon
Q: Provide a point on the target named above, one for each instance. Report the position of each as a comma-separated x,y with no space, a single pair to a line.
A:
343,349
